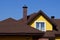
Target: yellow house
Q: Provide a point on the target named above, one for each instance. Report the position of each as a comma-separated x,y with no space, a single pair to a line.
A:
37,26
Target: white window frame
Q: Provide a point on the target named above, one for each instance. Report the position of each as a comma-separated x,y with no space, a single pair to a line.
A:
44,25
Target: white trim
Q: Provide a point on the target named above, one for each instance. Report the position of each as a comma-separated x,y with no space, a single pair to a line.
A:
44,25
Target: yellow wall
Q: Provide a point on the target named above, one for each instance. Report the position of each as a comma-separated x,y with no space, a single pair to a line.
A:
57,38
41,18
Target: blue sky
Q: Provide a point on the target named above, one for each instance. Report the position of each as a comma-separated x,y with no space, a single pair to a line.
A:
13,8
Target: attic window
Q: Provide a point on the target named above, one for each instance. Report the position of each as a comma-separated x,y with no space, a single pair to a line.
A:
40,26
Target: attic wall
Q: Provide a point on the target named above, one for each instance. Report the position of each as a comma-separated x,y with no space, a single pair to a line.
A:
57,38
48,26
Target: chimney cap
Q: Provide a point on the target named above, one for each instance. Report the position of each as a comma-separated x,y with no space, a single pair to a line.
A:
52,17
25,6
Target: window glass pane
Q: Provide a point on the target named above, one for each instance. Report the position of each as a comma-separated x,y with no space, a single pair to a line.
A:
37,25
40,25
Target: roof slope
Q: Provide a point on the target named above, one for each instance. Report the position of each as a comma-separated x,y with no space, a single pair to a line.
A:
40,13
11,25
57,22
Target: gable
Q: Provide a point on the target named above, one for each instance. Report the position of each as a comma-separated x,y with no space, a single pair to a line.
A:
41,18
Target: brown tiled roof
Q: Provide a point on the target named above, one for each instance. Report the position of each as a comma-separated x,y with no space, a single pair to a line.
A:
49,34
17,28
57,22
13,26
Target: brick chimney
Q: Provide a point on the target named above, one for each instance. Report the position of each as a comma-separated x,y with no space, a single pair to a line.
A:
25,13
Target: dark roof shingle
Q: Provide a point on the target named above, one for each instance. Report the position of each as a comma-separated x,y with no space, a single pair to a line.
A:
17,26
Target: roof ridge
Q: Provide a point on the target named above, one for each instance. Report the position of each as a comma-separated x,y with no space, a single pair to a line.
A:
8,19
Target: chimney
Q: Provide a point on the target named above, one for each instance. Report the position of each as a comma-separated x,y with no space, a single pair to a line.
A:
25,14
52,17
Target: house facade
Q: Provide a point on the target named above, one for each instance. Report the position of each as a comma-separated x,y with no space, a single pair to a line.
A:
37,26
